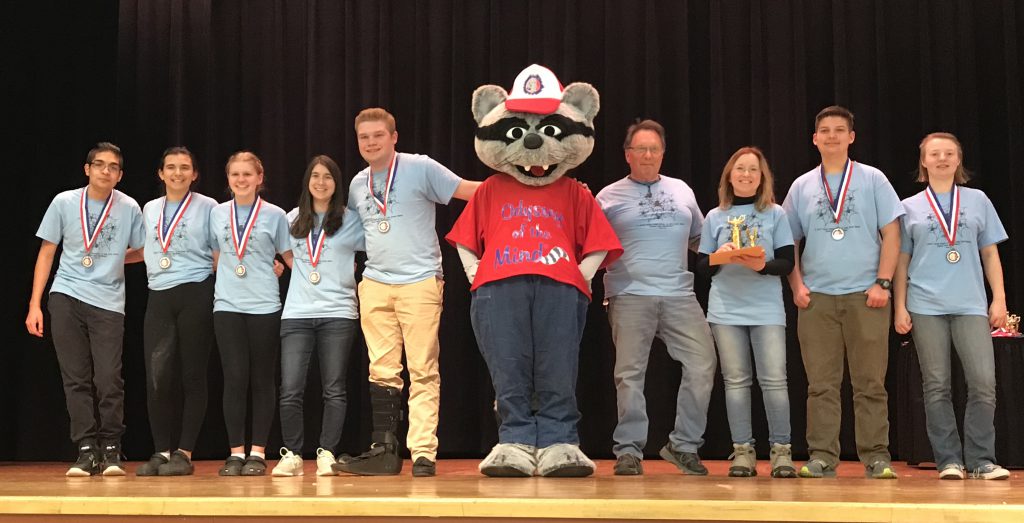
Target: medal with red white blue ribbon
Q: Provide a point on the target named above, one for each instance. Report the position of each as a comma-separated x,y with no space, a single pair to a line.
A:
242,240
315,247
89,237
838,203
384,226
948,222
164,231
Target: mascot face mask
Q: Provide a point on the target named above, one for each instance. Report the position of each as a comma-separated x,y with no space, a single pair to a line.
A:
538,133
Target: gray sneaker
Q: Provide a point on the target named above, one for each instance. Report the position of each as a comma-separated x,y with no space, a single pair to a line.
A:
953,471
687,462
817,468
744,461
782,461
628,465
880,469
990,471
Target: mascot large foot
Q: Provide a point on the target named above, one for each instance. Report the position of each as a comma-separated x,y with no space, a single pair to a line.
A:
382,459
509,460
563,460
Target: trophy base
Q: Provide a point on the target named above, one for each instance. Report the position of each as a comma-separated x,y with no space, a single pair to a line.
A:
720,258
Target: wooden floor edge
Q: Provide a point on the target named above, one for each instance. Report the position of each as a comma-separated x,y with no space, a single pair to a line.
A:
703,510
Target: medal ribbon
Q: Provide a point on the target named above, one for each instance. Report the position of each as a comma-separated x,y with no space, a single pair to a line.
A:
392,168
948,226
165,231
83,212
241,243
315,247
838,203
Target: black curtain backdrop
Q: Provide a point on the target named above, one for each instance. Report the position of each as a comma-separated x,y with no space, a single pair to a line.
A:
285,79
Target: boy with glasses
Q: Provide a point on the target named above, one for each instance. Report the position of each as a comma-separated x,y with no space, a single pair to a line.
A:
96,225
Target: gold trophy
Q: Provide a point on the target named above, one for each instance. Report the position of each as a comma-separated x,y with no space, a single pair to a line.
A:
735,223
752,249
1013,324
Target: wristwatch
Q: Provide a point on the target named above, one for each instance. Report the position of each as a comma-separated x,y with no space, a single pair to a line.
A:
884,283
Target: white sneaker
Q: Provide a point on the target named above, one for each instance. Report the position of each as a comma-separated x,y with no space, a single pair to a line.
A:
990,471
952,471
290,464
324,460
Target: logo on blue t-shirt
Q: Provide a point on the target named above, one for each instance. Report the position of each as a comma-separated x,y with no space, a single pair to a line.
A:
370,205
253,244
823,210
107,235
179,237
937,235
657,205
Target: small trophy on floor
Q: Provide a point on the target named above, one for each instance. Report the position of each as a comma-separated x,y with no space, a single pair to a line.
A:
1013,324
1009,330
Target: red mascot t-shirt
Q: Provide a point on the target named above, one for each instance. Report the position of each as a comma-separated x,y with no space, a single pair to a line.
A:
517,229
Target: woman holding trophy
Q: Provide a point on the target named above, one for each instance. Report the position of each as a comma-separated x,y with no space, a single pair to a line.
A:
948,249
746,245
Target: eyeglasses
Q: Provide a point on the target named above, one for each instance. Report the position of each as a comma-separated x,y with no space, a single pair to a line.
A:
99,165
654,151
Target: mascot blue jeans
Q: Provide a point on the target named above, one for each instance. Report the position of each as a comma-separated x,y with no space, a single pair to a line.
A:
529,330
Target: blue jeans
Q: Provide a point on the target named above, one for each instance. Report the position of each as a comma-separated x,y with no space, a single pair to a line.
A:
970,335
331,338
529,329
680,323
769,348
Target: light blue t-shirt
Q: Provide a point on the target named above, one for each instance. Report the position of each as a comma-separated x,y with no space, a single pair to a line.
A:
258,291
936,286
102,284
740,296
409,251
656,225
335,295
190,251
848,265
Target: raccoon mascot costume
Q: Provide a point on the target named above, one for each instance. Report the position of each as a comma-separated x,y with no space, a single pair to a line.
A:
530,241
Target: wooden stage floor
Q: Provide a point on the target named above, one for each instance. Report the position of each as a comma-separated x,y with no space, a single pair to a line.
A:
40,492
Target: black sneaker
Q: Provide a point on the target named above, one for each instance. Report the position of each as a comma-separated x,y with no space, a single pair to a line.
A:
179,465
628,465
112,459
88,462
687,462
151,467
424,468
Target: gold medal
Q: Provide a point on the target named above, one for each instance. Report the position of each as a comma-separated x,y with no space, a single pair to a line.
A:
838,233
314,277
384,226
165,262
87,261
240,270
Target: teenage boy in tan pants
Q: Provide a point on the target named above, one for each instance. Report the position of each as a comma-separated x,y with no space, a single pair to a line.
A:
400,295
848,214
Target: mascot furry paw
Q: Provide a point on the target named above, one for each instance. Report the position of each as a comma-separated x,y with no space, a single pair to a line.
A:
531,240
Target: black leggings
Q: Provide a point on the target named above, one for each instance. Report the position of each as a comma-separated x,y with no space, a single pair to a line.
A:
249,345
178,337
